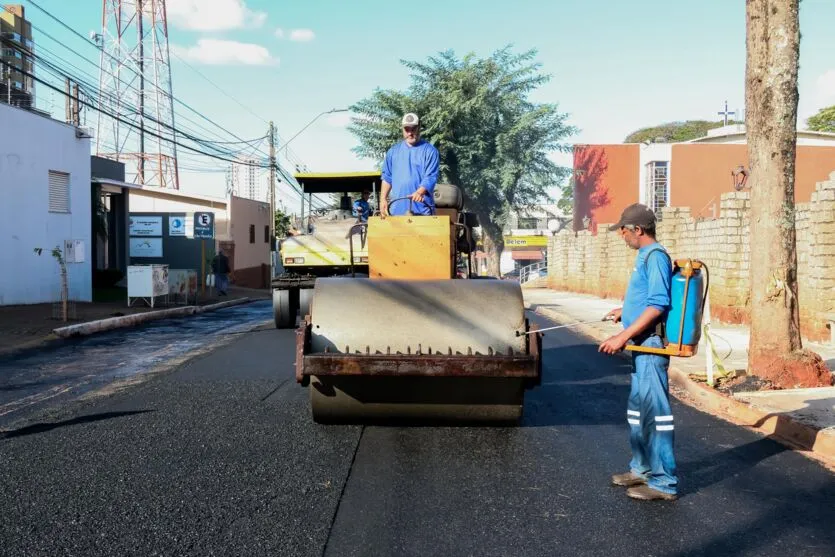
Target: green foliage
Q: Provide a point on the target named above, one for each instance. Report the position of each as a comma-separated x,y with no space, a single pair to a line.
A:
566,200
492,139
823,121
282,224
673,132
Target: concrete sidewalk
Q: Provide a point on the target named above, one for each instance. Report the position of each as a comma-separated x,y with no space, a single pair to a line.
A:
803,418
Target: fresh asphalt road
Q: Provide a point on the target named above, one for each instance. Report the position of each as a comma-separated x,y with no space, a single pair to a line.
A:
220,457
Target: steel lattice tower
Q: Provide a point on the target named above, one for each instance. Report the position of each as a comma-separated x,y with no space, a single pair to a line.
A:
135,95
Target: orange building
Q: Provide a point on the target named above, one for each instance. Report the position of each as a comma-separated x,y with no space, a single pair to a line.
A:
694,174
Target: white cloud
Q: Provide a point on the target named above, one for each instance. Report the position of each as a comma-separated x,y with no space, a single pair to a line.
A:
302,35
213,15
298,35
219,52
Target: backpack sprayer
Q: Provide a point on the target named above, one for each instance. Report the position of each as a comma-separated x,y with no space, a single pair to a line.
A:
683,326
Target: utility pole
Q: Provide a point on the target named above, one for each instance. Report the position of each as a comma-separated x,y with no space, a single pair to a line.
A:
272,199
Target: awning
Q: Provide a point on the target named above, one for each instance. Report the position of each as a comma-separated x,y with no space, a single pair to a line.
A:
527,255
115,183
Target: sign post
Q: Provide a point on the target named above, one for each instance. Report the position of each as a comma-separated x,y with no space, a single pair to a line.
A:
204,227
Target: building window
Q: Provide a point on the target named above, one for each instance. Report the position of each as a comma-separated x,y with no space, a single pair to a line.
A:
251,233
657,186
59,192
267,234
527,223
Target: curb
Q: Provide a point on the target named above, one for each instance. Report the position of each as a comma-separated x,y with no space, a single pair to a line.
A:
780,427
102,325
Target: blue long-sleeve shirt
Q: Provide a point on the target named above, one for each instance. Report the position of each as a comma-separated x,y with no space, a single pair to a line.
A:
408,168
649,285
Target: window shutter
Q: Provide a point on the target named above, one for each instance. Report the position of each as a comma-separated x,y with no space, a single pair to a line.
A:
59,192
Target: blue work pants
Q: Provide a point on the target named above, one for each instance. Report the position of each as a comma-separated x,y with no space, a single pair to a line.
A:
651,420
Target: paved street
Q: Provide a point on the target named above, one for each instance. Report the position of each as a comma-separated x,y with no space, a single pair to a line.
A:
219,457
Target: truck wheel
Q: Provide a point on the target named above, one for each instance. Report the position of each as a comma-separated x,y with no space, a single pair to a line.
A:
284,318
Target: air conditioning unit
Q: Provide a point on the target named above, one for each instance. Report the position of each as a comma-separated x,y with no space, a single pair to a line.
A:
84,133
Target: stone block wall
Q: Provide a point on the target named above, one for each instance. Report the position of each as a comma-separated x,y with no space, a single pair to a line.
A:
601,264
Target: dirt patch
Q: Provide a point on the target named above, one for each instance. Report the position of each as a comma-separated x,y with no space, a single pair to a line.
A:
800,369
744,383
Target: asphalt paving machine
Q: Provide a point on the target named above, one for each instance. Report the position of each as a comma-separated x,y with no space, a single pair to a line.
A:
412,340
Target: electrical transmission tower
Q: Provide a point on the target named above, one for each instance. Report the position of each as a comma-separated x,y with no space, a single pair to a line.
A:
135,97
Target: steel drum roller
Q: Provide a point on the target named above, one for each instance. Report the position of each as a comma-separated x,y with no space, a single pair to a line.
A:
464,316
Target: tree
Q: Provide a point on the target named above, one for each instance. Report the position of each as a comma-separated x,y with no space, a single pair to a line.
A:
282,224
493,141
673,132
823,121
772,50
566,200
58,255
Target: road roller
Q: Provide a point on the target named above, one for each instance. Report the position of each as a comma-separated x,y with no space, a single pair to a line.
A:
417,341
320,249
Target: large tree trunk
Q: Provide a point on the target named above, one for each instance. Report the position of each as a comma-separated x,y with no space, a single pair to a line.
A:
493,244
773,47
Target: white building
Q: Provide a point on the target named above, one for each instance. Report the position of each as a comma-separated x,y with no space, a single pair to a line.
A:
735,133
526,235
247,181
45,188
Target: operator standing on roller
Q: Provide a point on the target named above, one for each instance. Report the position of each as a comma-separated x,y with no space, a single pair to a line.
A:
410,169
652,470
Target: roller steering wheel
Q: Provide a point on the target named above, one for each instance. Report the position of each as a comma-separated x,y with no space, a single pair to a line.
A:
409,212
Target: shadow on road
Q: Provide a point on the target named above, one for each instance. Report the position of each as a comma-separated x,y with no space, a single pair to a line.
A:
44,427
717,467
579,386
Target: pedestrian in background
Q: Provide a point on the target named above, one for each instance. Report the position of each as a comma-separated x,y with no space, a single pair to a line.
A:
652,470
220,268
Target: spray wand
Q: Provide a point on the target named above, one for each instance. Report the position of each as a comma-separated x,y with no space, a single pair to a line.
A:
608,318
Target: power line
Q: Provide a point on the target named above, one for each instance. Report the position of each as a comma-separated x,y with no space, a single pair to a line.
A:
89,88
86,41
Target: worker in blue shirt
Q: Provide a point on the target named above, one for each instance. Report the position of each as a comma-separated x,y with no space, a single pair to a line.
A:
362,210
652,469
410,170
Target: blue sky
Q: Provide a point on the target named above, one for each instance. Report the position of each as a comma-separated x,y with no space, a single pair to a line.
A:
616,66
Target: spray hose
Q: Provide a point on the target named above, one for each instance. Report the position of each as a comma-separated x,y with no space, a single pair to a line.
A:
518,334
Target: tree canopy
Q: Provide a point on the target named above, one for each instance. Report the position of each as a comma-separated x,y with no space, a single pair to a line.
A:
673,132
493,140
823,121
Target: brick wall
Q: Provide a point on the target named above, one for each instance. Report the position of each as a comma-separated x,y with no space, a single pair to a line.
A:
601,264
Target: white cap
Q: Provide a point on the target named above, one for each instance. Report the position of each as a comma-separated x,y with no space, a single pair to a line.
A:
410,119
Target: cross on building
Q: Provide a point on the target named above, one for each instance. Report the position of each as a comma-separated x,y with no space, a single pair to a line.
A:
726,113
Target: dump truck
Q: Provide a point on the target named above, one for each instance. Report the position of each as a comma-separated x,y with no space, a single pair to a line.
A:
321,247
411,340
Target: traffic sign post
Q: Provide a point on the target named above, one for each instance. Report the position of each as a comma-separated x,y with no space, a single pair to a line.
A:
204,228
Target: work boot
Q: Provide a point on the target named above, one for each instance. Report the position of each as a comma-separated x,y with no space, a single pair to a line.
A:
628,479
646,493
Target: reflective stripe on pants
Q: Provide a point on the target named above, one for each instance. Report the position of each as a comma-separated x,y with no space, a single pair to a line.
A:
650,419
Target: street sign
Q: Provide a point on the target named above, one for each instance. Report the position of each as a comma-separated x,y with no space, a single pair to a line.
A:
204,225
176,226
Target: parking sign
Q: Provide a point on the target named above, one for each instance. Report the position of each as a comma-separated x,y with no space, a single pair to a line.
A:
204,225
